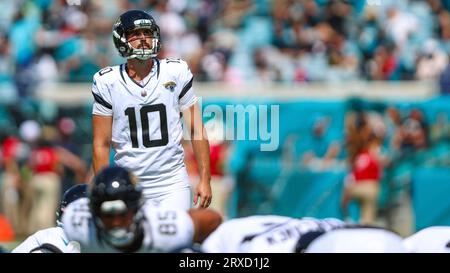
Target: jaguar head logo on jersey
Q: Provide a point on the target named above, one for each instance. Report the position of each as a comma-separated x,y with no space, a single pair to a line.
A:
170,85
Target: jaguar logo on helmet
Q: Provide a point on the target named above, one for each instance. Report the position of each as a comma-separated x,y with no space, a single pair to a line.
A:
117,23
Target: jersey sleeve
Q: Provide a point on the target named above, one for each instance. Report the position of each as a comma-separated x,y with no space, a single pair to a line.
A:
102,97
171,229
50,240
26,246
186,95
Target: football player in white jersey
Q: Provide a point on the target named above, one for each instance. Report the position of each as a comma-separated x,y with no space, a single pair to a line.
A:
264,233
434,239
357,239
137,110
54,240
114,219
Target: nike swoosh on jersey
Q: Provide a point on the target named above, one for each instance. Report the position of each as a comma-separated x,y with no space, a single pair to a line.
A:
66,242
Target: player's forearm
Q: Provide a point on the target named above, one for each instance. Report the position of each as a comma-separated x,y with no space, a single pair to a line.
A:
100,157
201,152
102,131
199,140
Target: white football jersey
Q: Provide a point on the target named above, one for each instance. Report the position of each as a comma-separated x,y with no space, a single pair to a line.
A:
55,237
357,240
429,240
165,230
147,127
264,234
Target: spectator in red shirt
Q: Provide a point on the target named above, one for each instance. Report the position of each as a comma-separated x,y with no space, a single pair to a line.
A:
11,186
363,183
45,182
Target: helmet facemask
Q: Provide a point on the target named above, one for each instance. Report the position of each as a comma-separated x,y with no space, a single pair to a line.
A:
120,236
144,53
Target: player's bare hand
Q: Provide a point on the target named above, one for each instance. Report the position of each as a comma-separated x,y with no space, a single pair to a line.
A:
203,194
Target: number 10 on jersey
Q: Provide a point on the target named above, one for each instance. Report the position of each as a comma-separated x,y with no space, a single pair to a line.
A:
144,111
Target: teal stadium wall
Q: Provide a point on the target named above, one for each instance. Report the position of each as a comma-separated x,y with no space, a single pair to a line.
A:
265,184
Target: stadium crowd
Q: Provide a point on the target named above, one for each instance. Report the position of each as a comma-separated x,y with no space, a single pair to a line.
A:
296,41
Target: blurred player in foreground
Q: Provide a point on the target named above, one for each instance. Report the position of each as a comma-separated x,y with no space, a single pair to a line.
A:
429,240
265,233
114,219
357,239
54,240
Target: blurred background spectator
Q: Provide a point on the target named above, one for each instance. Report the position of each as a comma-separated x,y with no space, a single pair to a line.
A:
366,168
